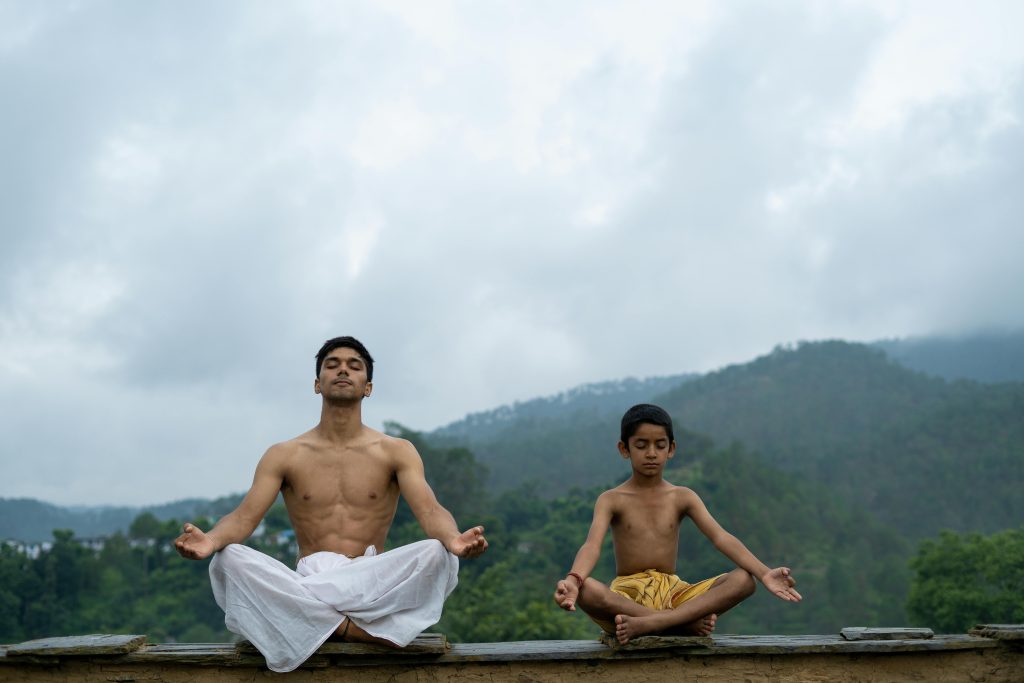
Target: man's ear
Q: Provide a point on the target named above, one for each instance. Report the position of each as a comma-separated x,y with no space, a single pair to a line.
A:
316,386
368,390
624,450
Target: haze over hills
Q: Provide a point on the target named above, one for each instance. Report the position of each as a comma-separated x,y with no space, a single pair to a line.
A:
922,452
989,357
841,414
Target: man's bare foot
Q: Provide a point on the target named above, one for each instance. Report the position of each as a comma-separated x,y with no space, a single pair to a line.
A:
627,627
348,632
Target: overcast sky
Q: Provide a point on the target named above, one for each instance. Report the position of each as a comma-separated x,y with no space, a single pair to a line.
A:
501,200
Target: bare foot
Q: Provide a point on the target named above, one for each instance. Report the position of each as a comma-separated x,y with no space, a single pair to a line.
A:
704,626
348,632
627,627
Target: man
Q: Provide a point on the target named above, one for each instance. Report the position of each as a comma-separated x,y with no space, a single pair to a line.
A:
341,482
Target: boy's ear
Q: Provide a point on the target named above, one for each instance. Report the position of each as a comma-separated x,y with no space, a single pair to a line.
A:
624,450
671,450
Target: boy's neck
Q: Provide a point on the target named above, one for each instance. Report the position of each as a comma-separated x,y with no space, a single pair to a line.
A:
647,482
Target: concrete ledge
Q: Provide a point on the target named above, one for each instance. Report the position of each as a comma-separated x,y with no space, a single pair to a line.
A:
724,658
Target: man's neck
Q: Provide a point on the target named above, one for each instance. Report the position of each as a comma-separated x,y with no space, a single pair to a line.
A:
341,422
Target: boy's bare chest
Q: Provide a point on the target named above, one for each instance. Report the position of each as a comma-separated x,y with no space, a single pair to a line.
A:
659,518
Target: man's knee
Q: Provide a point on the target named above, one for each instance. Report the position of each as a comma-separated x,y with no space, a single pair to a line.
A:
228,558
433,552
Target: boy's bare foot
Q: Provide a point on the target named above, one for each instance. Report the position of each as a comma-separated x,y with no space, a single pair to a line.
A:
627,627
348,632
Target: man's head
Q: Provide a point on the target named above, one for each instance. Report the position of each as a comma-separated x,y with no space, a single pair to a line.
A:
347,343
644,413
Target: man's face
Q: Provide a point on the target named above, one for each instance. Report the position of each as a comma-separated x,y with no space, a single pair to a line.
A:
343,376
648,449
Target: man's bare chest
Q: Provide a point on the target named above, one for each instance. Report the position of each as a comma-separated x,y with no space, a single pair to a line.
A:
351,482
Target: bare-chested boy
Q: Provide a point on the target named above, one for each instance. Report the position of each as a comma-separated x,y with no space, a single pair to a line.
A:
644,514
341,481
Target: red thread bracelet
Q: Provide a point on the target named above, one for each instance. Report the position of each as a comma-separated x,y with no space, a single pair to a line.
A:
579,580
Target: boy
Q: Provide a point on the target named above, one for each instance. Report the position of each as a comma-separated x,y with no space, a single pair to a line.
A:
644,514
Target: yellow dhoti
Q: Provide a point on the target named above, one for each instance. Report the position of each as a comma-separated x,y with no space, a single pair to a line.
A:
656,590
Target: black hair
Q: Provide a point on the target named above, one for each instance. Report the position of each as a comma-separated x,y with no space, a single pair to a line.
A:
645,413
347,343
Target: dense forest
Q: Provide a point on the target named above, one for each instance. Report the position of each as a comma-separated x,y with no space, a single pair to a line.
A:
893,496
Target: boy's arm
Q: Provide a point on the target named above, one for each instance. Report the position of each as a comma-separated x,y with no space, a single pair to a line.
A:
778,581
568,589
237,525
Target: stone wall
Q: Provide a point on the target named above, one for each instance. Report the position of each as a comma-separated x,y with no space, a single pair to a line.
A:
994,658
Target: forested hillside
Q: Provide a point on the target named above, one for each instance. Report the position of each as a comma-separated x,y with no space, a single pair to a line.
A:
137,584
921,452
827,457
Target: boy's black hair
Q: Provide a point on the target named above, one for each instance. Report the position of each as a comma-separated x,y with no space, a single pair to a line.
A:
645,413
348,343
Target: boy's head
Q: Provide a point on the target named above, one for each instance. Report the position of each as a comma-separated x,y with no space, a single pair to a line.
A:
644,413
348,343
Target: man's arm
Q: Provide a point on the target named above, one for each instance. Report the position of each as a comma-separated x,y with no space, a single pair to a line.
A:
237,525
568,589
778,581
436,521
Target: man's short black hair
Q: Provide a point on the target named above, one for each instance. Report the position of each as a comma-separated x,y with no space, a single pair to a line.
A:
347,343
643,413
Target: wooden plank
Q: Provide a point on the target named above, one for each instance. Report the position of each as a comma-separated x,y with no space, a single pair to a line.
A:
999,631
657,642
425,644
865,633
78,646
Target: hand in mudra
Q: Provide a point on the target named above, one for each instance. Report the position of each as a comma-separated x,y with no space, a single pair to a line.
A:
470,543
193,544
780,583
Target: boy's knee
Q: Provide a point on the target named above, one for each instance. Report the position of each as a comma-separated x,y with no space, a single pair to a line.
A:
593,594
745,584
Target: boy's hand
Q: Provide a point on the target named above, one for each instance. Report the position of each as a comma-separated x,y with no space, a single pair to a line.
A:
566,593
193,544
780,583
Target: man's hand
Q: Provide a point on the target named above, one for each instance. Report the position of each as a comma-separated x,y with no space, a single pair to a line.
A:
470,543
194,544
566,593
780,584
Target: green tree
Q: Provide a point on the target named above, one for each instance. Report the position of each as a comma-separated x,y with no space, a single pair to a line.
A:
966,579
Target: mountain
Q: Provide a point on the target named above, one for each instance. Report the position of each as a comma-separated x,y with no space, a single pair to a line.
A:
984,357
597,398
920,452
33,521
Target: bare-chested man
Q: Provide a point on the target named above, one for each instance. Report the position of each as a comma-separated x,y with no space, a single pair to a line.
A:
341,482
644,514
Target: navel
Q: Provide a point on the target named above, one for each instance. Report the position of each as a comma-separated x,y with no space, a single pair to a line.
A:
307,496
373,495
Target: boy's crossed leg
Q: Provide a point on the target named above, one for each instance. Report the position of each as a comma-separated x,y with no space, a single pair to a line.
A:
695,617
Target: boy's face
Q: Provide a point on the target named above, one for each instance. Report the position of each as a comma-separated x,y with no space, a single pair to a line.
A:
648,449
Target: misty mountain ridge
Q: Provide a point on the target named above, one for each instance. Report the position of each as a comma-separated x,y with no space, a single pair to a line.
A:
796,407
595,397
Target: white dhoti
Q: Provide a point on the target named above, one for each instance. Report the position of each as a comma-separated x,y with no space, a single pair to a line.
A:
288,614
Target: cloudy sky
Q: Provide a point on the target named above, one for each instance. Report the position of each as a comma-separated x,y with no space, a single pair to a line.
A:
502,200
